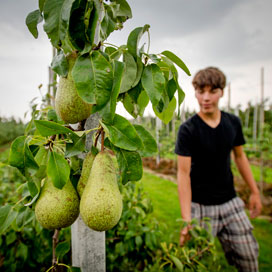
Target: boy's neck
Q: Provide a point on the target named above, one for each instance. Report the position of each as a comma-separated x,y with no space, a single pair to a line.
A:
212,119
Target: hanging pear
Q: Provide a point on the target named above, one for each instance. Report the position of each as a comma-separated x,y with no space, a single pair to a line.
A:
101,203
57,208
86,170
68,104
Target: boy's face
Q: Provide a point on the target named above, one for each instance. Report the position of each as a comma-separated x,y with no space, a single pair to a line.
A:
208,99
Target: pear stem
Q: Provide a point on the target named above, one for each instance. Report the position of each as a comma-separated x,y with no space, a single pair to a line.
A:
96,137
102,140
55,240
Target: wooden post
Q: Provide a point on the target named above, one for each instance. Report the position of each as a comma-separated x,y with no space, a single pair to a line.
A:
229,98
261,132
255,120
158,129
174,126
247,115
183,113
88,246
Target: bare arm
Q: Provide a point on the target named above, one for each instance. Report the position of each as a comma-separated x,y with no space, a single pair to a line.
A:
185,193
243,166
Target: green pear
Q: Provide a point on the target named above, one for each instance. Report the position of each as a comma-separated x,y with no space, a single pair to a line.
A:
68,104
101,203
57,208
86,170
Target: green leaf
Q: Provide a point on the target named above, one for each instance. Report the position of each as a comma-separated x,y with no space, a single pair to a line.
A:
122,134
33,190
150,145
134,38
140,68
171,88
153,82
167,115
84,79
41,4
58,169
52,116
130,105
93,77
181,94
77,147
48,128
142,102
25,216
130,165
77,25
177,61
107,113
52,11
138,240
11,237
4,211
32,20
135,101
7,216
108,23
65,18
60,64
130,72
62,248
22,251
129,162
20,155
177,263
124,9
92,18
42,156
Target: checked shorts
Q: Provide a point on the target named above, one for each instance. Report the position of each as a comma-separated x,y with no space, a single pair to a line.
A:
232,227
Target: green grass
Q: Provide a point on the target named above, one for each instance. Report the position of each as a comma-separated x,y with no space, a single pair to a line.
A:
164,196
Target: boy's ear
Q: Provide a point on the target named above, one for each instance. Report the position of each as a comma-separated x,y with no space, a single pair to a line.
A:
222,92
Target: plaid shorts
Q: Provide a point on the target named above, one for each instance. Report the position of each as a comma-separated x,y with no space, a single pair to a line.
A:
232,227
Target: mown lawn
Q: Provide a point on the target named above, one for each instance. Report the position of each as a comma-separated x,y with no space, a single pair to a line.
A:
164,196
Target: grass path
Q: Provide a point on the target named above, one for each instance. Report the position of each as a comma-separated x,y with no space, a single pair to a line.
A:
164,196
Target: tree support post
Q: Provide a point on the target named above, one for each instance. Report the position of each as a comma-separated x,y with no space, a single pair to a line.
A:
88,246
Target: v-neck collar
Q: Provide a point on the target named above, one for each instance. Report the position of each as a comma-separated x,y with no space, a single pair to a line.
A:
208,124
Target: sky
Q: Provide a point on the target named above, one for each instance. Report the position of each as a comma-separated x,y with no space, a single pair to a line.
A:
234,35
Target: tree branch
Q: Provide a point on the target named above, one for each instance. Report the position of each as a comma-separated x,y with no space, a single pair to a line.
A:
55,240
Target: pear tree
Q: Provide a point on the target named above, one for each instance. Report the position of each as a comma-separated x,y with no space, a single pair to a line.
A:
93,77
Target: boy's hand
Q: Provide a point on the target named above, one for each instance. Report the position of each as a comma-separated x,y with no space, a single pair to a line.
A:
184,235
255,205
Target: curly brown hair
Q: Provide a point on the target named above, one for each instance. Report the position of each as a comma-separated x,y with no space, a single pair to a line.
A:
210,76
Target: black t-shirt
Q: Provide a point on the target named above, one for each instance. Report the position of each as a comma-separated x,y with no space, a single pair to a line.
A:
209,149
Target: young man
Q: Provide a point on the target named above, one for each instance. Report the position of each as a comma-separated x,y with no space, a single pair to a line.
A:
205,181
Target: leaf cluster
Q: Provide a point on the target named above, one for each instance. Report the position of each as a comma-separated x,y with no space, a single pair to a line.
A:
135,244
23,242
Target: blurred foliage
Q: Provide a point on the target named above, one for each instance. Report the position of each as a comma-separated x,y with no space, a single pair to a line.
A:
24,245
136,243
10,129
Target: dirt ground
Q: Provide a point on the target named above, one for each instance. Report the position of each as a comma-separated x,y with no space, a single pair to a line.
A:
168,169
